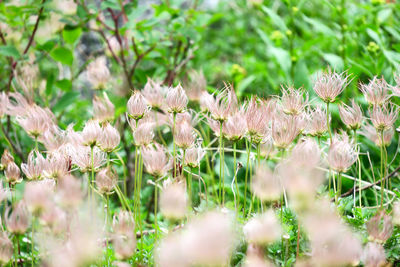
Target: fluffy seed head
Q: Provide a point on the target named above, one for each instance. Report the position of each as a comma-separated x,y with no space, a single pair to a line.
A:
34,167
293,101
91,133
124,236
316,122
173,200
235,127
106,179
224,105
330,84
18,220
193,156
263,229
4,103
155,160
342,153
376,92
371,133
351,115
383,117
154,94
6,158
38,195
13,174
285,129
265,185
98,73
380,227
176,99
109,139
184,135
374,255
137,106
103,108
6,248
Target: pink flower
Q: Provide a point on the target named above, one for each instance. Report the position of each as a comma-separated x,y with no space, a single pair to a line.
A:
174,200
57,165
370,132
91,133
103,108
98,73
342,153
18,220
196,85
316,122
154,94
193,156
176,100
258,116
236,126
285,129
35,166
224,105
36,121
383,117
351,116
106,179
293,101
143,133
265,185
184,135
109,139
12,173
156,160
376,92
330,84
137,106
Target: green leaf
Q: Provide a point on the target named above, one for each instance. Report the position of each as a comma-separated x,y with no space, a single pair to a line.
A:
319,26
334,60
9,51
63,55
275,18
110,4
282,57
374,36
65,101
64,84
384,14
244,84
71,35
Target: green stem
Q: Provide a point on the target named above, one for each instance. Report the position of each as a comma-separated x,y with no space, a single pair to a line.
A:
382,168
245,179
328,124
155,211
107,223
92,170
33,243
221,163
173,140
235,177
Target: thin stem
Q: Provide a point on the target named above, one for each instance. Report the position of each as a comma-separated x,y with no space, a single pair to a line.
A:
248,148
382,168
33,243
334,187
173,140
107,222
221,163
155,211
328,124
235,176
92,170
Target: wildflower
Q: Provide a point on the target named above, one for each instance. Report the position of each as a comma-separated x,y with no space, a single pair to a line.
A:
263,229
154,93
171,251
176,100
4,103
224,105
255,256
376,92
284,130
316,122
57,165
380,227
3,192
209,239
137,106
330,84
196,86
18,220
103,109
13,174
342,153
374,255
36,121
193,156
34,167
82,157
184,135
351,116
235,127
206,100
265,185
17,105
53,139
173,200
55,219
109,139
98,73
307,153
292,101
155,160
383,117
257,119
124,236
69,193
143,134
91,133
106,179
6,158
370,132
267,147
6,248
38,195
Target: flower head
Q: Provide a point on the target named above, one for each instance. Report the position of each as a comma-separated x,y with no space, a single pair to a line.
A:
82,157
376,92
293,101
6,158
285,129
103,108
196,85
155,160
6,248
91,133
98,73
371,133
154,93
38,195
34,167
258,116
109,139
124,236
316,122
173,200
176,99
263,229
143,133
137,106
330,84
342,153
17,220
36,121
236,126
57,165
184,135
351,115
265,185
224,105
383,117
193,156
13,174
380,227
106,179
